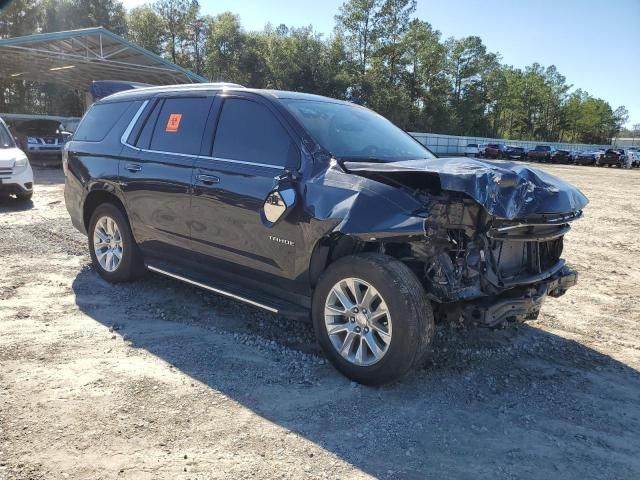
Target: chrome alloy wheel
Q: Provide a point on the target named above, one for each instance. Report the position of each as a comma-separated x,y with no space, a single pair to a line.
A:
358,322
107,243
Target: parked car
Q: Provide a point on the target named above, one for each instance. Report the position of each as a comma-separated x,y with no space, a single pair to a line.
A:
542,153
40,139
589,158
513,152
308,206
495,150
474,150
634,156
617,157
563,156
16,176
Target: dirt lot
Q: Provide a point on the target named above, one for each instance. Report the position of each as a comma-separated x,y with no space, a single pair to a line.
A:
160,380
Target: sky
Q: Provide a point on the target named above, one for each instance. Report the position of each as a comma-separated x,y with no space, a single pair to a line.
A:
595,44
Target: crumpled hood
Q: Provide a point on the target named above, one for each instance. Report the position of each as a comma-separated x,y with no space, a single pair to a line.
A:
505,189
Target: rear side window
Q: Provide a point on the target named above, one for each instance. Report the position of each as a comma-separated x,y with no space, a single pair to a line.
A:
99,120
247,131
180,125
147,130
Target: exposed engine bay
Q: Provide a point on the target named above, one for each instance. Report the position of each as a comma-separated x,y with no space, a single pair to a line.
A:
474,263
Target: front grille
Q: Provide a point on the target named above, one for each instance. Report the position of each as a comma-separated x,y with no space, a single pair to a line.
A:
524,249
6,172
549,253
517,260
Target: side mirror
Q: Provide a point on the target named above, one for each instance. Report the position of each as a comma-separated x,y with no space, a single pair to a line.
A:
277,205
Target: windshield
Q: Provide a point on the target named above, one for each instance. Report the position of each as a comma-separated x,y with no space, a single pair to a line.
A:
6,140
351,132
542,148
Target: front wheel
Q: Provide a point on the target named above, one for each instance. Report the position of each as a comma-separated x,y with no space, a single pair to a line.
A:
114,252
372,318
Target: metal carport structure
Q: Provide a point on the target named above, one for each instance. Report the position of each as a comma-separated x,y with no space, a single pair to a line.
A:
77,57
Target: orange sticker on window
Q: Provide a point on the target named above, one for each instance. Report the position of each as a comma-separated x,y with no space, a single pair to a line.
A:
173,123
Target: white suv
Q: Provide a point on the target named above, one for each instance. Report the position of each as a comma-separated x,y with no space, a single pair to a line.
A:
474,150
16,176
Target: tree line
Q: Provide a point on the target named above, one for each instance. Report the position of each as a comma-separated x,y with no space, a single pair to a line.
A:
379,55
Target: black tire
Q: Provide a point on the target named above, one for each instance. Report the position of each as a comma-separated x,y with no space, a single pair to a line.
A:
131,264
410,311
24,196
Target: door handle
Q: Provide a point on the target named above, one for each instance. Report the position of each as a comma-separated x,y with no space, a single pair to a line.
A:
208,179
133,168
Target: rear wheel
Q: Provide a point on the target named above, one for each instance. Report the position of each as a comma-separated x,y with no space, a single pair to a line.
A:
372,318
114,253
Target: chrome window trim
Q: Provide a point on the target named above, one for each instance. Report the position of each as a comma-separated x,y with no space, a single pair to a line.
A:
242,162
127,132
187,155
136,117
214,290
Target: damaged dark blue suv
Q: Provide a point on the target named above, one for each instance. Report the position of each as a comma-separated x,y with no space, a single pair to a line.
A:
309,206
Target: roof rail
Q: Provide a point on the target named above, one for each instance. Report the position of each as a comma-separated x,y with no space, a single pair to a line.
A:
225,84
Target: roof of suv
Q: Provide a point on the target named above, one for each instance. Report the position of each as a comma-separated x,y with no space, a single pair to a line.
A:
143,93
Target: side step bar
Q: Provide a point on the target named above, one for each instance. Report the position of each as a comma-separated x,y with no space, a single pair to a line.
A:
214,290
286,310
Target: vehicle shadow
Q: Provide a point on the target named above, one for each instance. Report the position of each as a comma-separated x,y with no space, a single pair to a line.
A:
10,204
514,403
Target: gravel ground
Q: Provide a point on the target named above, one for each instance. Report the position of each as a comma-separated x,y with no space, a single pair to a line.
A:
160,380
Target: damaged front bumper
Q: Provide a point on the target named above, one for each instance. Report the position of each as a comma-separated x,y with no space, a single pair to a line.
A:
493,233
503,274
519,305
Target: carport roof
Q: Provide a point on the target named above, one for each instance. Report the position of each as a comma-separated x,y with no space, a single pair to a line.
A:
77,57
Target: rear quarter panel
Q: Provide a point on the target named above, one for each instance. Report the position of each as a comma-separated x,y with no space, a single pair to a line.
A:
94,166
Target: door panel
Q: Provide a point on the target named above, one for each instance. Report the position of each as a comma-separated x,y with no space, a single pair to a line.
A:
226,223
157,191
251,148
156,176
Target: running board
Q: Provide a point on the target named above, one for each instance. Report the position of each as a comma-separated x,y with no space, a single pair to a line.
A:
270,306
